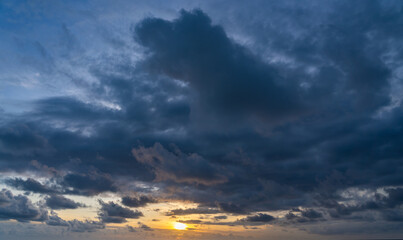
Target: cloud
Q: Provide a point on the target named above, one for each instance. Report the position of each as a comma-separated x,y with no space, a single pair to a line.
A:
221,217
144,227
89,184
394,198
30,185
241,113
131,229
21,137
60,202
261,217
310,213
140,201
379,202
192,167
252,220
75,225
113,213
20,208
192,221
226,74
189,211
232,208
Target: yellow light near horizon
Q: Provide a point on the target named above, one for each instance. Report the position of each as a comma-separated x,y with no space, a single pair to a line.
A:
180,226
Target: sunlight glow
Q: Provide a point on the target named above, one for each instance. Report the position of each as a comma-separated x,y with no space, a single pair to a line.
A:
180,226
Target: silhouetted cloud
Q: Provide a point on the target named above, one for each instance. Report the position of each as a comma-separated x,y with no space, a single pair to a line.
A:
30,185
114,213
20,208
144,227
140,201
60,202
232,208
226,74
261,217
89,184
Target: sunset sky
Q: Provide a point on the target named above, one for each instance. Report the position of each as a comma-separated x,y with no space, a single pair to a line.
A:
207,119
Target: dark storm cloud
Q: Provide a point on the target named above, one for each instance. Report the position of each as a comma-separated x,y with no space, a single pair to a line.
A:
227,75
30,185
287,107
89,184
310,213
261,217
20,208
232,208
140,201
114,213
394,198
340,139
21,137
61,202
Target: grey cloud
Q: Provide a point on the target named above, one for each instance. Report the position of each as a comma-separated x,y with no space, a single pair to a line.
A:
191,221
114,213
310,213
21,137
61,202
193,168
75,225
20,208
189,211
283,108
232,208
252,220
144,227
220,217
89,184
227,75
261,217
30,185
140,201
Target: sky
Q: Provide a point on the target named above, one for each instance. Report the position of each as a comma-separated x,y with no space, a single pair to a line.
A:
208,120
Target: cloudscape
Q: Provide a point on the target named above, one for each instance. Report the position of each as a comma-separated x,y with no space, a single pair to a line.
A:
213,120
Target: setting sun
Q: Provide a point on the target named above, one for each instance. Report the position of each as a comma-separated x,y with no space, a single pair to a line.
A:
180,226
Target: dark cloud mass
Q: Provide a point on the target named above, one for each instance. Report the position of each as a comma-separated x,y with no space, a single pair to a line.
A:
140,201
240,108
114,213
30,185
261,217
225,73
20,208
60,202
89,184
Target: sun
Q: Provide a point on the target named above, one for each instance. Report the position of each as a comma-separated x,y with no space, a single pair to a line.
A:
180,226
